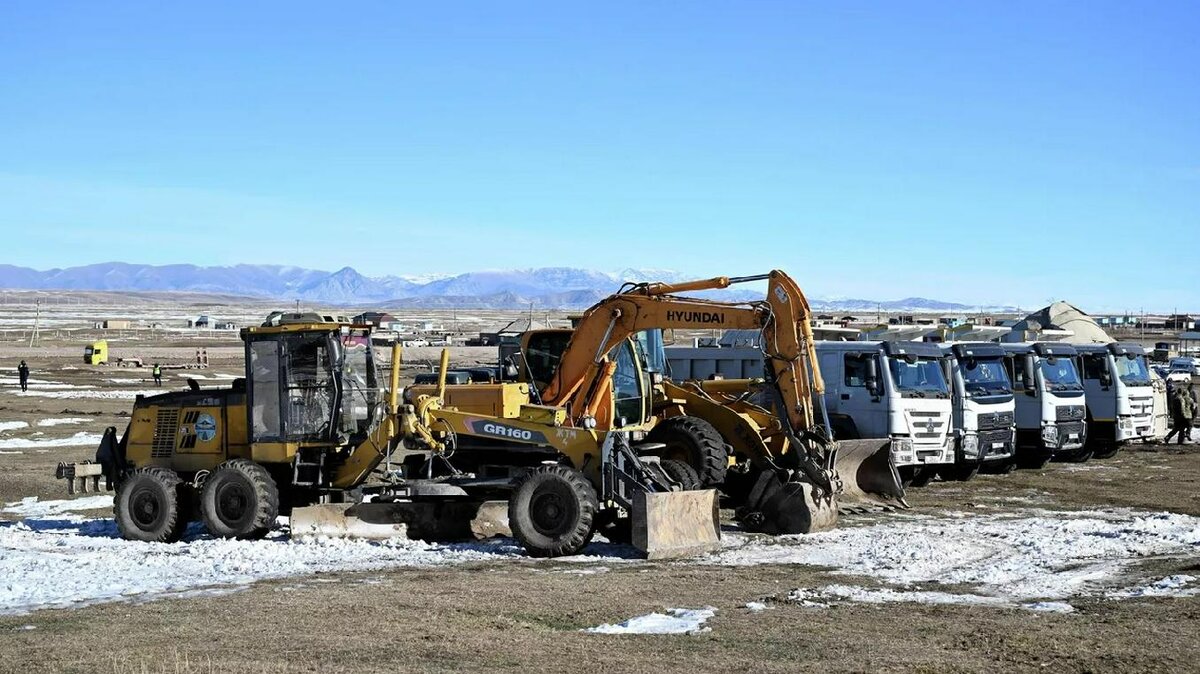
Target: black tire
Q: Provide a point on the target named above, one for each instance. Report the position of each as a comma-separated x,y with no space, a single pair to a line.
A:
1033,461
682,473
915,476
239,500
1106,450
960,472
552,511
150,506
697,443
1080,455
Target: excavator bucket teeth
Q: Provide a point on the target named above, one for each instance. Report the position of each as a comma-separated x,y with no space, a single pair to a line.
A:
669,525
437,521
868,474
791,507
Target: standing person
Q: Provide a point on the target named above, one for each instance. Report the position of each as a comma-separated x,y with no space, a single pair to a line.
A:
157,375
23,373
1183,409
204,355
197,356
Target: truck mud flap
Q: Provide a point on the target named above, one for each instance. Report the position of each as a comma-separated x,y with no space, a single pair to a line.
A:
869,476
439,521
670,525
775,506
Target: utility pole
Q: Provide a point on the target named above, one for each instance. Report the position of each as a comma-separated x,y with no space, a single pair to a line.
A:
37,320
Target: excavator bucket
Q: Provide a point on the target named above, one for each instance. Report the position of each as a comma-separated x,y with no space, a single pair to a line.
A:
669,525
428,520
775,506
868,475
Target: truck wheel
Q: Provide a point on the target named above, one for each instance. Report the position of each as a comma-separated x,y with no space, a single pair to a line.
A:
1001,467
697,443
1036,461
148,506
682,473
239,500
552,512
915,476
1080,455
1106,450
960,472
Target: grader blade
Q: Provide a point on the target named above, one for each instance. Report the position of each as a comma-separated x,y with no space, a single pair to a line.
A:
868,474
670,525
428,520
777,507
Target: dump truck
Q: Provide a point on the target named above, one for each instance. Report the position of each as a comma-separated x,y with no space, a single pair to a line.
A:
1119,395
1051,410
896,390
984,432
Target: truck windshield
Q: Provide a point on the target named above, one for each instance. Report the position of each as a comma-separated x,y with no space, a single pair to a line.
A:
985,377
1060,374
1133,371
920,377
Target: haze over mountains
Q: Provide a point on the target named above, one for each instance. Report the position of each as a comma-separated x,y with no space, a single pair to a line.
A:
546,287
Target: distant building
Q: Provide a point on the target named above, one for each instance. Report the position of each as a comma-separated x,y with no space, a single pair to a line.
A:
117,325
379,320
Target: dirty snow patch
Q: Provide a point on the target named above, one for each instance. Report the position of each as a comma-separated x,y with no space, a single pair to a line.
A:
62,422
1007,559
756,606
89,393
11,425
1049,607
1171,586
675,621
79,439
31,506
66,560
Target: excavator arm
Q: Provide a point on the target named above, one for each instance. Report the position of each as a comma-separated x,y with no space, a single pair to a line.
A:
783,318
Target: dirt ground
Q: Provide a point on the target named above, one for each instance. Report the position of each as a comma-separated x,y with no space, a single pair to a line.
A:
525,616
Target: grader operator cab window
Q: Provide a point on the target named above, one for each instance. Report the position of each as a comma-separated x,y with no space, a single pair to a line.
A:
292,389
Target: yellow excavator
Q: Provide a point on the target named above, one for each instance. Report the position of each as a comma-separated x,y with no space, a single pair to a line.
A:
595,392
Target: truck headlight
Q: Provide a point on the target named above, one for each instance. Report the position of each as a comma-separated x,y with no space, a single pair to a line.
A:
1050,435
902,449
970,446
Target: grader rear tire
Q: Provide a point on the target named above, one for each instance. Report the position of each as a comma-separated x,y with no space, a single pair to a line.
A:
239,500
552,512
697,443
149,506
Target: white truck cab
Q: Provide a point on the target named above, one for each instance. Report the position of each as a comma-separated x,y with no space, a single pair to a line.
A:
1120,395
983,407
894,390
1051,408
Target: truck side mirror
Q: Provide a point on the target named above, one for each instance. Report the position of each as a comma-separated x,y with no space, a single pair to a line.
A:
872,378
1027,376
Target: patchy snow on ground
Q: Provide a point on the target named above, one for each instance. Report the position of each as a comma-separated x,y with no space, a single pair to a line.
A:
62,422
66,560
79,439
31,506
675,621
128,380
83,392
1171,586
11,425
1012,559
756,606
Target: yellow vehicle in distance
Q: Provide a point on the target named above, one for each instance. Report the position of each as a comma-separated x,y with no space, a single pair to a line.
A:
96,353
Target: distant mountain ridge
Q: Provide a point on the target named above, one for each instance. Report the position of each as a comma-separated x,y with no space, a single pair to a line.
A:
545,287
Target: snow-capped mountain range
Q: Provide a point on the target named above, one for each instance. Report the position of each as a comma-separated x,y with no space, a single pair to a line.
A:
545,287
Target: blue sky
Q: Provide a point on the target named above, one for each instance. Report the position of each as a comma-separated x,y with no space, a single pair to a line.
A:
983,152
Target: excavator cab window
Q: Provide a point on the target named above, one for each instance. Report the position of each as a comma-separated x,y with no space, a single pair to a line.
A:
628,385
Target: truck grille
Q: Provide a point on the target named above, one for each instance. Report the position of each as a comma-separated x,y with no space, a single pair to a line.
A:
1065,430
987,440
166,426
927,425
996,420
1068,412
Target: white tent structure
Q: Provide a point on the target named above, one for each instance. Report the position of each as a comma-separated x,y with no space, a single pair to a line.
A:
1065,322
